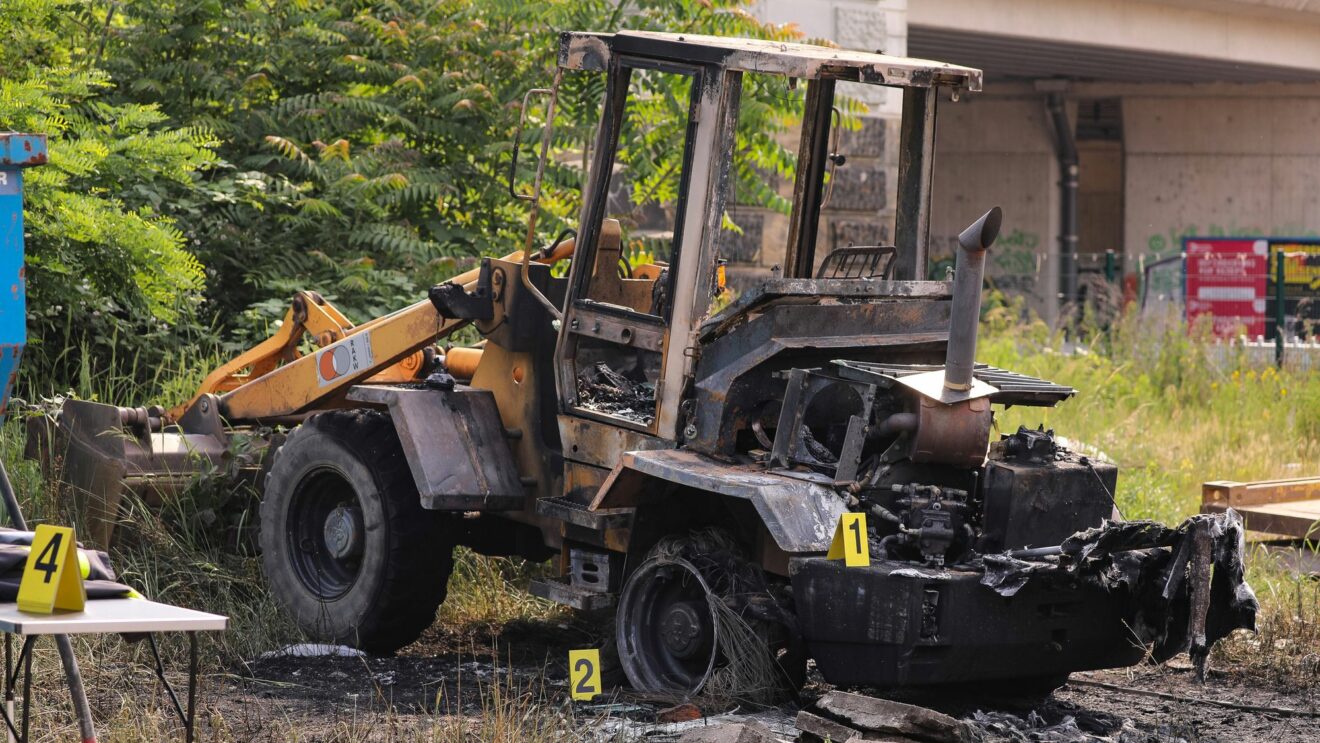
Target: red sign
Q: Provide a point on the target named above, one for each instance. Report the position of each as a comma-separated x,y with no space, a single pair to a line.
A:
1226,279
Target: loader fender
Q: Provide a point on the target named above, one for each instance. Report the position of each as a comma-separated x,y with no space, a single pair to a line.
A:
799,510
455,446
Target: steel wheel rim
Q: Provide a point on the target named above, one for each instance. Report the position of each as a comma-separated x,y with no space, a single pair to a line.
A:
659,596
317,496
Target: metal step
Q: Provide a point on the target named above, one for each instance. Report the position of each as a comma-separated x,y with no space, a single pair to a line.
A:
558,591
579,515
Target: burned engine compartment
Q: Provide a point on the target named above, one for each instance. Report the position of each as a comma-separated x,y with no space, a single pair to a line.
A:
987,560
1015,565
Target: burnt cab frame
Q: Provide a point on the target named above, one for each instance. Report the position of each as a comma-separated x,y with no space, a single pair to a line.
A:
717,66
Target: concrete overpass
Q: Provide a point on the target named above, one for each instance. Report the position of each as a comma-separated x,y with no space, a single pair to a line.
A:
1187,116
1151,41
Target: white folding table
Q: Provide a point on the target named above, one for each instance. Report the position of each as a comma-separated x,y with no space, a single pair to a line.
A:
102,616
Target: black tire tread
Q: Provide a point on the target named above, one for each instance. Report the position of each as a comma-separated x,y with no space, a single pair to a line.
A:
420,558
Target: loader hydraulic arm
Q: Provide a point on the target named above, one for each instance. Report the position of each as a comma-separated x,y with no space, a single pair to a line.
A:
308,314
273,380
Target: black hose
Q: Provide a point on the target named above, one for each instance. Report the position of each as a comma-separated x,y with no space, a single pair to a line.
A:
559,239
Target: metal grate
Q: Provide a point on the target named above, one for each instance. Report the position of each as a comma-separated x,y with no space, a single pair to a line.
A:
1014,388
858,262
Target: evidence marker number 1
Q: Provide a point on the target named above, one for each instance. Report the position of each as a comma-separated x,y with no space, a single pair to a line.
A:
851,542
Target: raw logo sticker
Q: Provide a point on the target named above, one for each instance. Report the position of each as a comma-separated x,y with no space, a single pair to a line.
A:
343,358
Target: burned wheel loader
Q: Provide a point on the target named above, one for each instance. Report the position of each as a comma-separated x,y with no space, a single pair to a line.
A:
684,464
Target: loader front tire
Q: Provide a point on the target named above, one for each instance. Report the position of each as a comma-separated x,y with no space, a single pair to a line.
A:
346,546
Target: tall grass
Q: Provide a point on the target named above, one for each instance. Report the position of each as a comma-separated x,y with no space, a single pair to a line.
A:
488,592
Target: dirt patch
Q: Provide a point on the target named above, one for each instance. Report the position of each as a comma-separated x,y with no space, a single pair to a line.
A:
445,678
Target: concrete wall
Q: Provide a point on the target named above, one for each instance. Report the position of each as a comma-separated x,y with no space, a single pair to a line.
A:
1223,160
1240,31
1196,160
998,151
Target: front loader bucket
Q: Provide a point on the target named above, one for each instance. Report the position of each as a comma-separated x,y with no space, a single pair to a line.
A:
99,453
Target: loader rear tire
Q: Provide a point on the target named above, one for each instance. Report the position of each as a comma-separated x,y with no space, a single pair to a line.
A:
346,546
697,614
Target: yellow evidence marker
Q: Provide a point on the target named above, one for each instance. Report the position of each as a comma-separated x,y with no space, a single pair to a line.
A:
584,673
851,542
52,579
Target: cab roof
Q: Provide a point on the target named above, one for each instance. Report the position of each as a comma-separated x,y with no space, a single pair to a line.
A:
593,51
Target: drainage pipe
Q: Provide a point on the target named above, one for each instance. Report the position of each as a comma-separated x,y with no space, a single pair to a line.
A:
1066,150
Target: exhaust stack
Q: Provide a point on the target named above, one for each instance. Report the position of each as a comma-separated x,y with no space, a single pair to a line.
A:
966,312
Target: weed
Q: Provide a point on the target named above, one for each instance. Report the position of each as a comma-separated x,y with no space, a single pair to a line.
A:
488,592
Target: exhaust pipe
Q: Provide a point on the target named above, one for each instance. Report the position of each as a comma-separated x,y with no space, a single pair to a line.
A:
965,314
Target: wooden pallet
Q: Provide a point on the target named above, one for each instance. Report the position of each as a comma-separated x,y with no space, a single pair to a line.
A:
1289,508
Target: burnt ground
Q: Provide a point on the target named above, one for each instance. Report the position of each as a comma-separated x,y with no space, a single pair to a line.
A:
443,678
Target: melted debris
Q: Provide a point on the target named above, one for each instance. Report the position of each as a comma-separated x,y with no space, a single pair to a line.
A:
1188,583
816,449
604,390
1004,726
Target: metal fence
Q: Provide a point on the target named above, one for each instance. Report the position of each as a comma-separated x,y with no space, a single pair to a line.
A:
1299,357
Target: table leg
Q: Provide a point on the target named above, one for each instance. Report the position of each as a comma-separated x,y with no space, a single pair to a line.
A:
9,689
192,686
184,716
27,684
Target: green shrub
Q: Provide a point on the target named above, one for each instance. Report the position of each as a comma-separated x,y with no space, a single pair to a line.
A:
108,271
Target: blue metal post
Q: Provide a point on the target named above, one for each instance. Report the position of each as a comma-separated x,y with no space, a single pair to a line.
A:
17,151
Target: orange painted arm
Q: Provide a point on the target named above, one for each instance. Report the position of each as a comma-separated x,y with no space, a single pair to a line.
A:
302,384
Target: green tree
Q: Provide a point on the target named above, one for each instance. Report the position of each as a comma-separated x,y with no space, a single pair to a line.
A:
366,143
109,274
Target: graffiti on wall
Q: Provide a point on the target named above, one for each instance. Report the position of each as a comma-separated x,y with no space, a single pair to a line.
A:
1014,266
1169,242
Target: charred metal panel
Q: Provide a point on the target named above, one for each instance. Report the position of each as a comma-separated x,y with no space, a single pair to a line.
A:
1041,504
588,51
639,332
600,443
916,163
800,515
734,378
521,323
708,188
821,290
455,446
791,445
894,624
563,592
813,154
